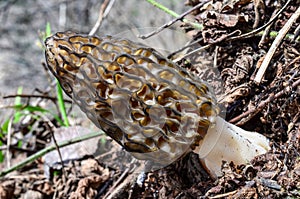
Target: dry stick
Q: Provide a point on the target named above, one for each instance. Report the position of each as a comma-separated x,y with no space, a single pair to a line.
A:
189,44
296,33
56,146
34,96
274,46
104,10
242,118
215,64
209,45
194,51
180,17
112,190
9,134
224,195
292,124
257,14
16,148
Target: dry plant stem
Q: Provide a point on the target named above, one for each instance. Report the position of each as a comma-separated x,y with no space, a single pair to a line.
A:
224,195
15,148
49,149
8,142
216,57
246,116
34,96
115,188
104,10
57,149
194,51
208,45
293,122
189,44
257,4
180,17
274,46
296,33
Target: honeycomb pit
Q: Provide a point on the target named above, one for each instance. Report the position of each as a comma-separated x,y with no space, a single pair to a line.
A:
153,108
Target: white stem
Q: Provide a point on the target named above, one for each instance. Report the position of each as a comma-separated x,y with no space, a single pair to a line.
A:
225,141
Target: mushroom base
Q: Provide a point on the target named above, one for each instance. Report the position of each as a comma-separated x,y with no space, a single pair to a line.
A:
225,141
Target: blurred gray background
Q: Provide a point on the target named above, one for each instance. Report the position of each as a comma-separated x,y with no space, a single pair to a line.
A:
22,22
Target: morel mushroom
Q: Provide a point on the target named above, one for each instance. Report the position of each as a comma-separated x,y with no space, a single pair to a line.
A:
149,105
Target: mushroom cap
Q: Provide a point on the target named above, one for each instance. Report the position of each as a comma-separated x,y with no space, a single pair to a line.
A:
148,104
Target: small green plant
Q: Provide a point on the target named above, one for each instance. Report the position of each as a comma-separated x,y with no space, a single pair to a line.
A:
5,126
21,111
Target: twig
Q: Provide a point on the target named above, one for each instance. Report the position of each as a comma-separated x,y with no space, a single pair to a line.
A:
293,122
275,45
112,189
103,12
216,57
194,51
208,45
244,117
49,149
57,148
296,33
16,148
34,96
174,14
180,17
257,14
9,134
189,44
224,195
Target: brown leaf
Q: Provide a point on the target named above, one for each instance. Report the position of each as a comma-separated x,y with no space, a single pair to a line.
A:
7,189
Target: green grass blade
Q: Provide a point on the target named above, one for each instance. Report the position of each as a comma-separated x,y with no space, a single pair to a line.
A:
17,115
1,154
61,104
32,109
48,30
1,144
4,127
